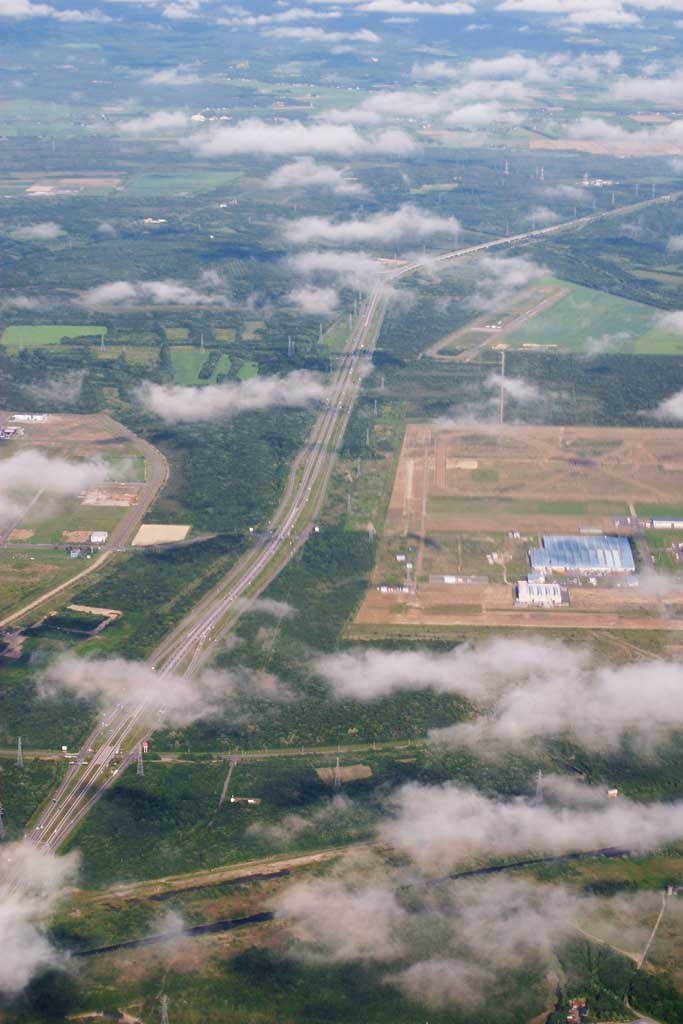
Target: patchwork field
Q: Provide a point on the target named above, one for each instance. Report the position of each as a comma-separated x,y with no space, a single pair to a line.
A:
467,504
37,335
560,317
187,363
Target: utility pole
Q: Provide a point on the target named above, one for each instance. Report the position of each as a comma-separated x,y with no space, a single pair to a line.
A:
164,1009
141,763
337,776
201,341
20,754
290,346
539,786
375,408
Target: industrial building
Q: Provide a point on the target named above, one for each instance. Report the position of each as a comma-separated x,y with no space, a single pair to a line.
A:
99,537
539,595
586,555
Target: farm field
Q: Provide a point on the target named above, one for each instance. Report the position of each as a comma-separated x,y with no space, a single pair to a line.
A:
558,316
590,321
28,574
37,335
468,504
187,363
156,184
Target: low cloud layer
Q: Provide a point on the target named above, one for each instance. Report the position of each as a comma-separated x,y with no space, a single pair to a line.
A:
498,278
133,294
176,404
31,883
295,139
28,472
177,700
442,827
408,222
314,301
45,231
526,690
307,173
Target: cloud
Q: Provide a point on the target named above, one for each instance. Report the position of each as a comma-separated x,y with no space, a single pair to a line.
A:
172,76
672,322
670,408
314,301
440,827
265,606
662,140
339,811
306,173
541,216
675,244
176,404
408,222
527,690
162,122
575,12
441,945
313,34
351,269
450,7
648,90
64,389
27,472
132,294
498,278
294,138
516,388
43,232
106,229
246,20
20,9
482,115
31,882
177,700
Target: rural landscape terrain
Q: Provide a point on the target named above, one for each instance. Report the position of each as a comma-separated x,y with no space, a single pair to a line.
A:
341,511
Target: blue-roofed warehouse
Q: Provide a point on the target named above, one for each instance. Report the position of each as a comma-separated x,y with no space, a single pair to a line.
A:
589,554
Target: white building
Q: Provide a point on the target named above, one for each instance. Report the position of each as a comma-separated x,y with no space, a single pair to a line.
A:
29,417
99,537
538,595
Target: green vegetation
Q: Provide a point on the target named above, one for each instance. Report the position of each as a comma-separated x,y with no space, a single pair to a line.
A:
193,366
37,335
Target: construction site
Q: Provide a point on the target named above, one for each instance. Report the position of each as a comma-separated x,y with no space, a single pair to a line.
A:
565,527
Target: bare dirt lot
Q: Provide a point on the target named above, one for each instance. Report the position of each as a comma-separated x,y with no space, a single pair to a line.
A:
468,503
113,496
152,533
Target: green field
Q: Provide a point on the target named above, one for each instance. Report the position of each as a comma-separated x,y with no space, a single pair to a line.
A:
251,328
36,335
247,370
649,511
168,184
177,333
588,321
187,363
225,334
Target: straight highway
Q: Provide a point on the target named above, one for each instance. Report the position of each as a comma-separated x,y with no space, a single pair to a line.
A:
190,644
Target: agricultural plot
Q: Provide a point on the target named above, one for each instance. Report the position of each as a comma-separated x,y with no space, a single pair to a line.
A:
585,320
555,316
38,335
467,504
188,363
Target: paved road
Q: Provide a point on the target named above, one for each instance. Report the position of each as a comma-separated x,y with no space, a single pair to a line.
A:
190,643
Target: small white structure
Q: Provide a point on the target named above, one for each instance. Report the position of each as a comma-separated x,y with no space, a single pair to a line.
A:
667,524
612,794
99,537
29,417
538,595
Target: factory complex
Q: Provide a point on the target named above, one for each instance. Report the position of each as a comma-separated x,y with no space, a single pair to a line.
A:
587,554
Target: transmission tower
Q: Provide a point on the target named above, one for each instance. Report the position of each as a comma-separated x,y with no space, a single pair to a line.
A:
141,763
541,176
506,169
539,786
337,776
164,1009
290,346
20,754
3,831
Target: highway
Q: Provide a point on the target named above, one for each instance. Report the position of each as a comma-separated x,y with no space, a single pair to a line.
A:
190,644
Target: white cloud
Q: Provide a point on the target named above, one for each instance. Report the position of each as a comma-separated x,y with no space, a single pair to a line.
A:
177,700
313,34
669,409
499,278
314,301
541,216
675,244
46,231
176,404
294,138
516,388
408,222
172,76
21,9
450,7
351,269
648,90
31,882
672,322
24,474
162,122
305,172
132,294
